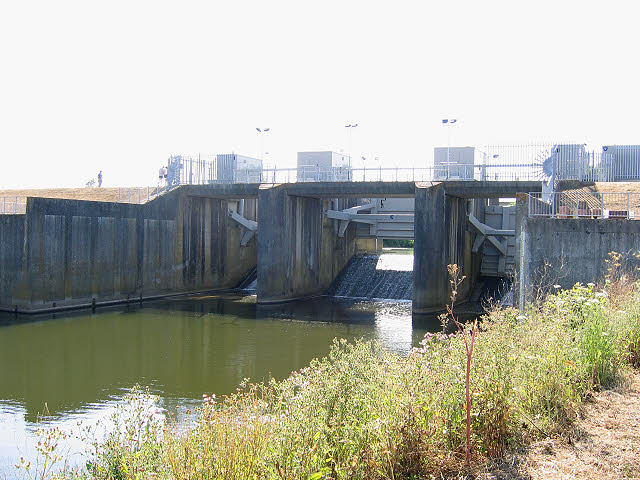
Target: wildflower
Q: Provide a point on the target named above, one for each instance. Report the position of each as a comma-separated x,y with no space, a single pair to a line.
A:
521,317
601,294
591,284
556,286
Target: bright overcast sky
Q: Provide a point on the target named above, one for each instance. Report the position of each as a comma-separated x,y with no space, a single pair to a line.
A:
119,86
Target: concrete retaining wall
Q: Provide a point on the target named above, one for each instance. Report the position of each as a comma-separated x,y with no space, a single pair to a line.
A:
11,253
69,252
566,251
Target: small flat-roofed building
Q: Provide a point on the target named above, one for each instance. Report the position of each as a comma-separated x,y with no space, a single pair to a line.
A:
323,166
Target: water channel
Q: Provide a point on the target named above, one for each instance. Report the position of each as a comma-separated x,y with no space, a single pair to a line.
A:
77,367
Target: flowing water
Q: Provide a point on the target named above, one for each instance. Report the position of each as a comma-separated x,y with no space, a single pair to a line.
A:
376,276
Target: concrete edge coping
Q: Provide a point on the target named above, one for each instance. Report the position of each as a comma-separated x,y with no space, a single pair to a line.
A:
109,303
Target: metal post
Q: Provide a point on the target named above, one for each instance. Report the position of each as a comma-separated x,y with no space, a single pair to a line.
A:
448,145
628,205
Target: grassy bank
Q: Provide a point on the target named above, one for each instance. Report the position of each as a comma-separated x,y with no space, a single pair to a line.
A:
365,413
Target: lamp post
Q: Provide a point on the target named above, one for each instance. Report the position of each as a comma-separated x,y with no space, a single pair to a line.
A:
261,132
448,122
350,127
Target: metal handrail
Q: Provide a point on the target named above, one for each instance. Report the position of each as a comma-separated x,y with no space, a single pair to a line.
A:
581,204
13,205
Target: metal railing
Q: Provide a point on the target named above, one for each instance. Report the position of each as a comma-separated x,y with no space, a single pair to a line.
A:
16,205
13,205
455,172
581,204
139,194
569,161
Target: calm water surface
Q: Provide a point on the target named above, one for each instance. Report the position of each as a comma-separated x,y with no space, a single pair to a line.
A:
78,367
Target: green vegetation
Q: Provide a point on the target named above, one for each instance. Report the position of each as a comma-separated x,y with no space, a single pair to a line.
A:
397,243
365,413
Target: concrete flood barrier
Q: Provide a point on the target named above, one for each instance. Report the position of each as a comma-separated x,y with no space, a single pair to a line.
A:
71,253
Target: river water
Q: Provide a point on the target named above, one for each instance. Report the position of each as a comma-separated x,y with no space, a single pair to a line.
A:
76,368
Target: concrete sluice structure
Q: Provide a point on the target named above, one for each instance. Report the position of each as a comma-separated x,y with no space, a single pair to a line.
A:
71,253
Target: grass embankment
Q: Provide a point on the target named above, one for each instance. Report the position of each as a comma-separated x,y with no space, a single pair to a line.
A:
365,413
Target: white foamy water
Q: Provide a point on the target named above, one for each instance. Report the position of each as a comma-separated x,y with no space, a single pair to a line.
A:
399,263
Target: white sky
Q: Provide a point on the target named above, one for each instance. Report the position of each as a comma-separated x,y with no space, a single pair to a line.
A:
119,86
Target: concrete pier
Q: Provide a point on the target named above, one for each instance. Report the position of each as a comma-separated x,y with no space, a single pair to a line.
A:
441,239
299,253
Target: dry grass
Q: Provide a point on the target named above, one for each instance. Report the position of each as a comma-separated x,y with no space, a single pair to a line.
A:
87,193
603,444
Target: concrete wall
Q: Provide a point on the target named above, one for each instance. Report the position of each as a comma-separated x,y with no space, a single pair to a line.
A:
11,253
299,252
573,250
69,252
441,238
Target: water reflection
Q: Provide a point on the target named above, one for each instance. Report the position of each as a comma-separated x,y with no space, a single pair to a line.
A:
81,365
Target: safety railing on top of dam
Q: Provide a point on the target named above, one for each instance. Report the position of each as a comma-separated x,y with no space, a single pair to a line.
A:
17,205
395,174
569,161
583,204
14,205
